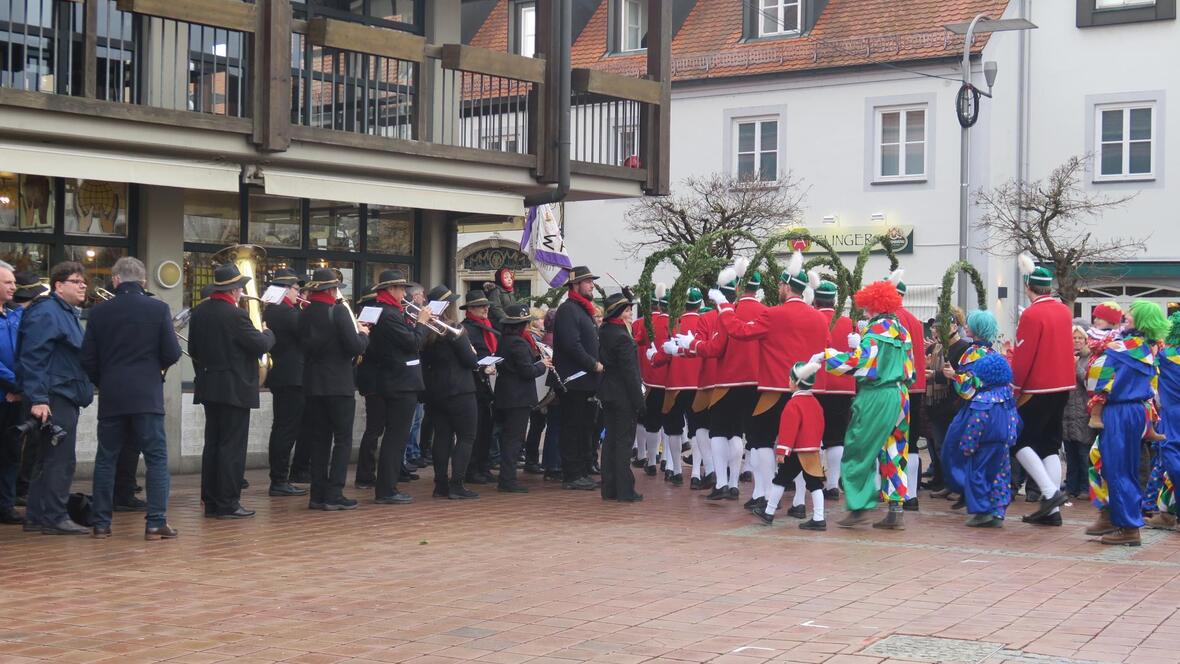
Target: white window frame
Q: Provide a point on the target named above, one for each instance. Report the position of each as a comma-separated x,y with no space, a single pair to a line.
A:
1126,142
526,39
627,10
779,8
626,142
759,149
878,136
1119,4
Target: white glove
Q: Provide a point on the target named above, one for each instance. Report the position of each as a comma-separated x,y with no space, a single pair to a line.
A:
685,340
853,340
670,348
717,298
651,352
818,358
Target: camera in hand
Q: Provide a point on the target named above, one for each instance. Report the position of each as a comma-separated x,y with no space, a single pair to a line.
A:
48,430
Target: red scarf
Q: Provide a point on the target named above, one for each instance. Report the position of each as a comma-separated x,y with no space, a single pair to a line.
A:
224,297
528,336
586,304
617,321
290,301
324,296
385,297
489,337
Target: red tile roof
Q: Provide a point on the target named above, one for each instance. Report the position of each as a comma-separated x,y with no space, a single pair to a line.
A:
493,34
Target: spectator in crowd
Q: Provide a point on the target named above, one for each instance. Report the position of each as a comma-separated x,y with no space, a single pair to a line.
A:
1078,435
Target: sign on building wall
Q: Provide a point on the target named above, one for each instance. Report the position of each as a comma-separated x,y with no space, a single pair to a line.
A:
851,239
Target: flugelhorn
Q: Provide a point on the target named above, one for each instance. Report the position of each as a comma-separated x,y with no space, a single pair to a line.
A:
248,258
439,327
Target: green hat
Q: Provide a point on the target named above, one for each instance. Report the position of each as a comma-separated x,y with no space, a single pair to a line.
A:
1039,277
729,287
803,374
755,282
694,296
826,291
797,281
901,287
705,309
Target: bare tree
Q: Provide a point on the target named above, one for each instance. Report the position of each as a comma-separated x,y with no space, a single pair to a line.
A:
716,202
1053,220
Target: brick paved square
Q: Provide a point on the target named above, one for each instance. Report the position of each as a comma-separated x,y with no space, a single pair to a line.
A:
561,576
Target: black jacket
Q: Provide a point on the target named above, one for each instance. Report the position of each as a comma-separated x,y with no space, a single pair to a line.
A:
330,343
475,330
448,367
225,347
516,376
287,371
620,376
575,342
394,344
129,342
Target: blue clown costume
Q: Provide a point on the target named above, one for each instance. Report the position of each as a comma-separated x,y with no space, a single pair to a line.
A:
965,384
1169,399
991,428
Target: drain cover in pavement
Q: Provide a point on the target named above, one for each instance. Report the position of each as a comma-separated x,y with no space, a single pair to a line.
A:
932,649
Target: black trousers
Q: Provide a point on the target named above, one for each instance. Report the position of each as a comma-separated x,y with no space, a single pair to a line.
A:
330,440
223,461
577,431
301,457
399,417
532,442
366,463
481,449
618,482
284,430
454,434
515,423
1042,416
426,435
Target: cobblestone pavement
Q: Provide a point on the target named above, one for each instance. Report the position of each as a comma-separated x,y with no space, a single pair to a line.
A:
560,576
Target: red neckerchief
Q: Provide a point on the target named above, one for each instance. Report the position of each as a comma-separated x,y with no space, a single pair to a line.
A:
324,296
290,301
489,337
528,336
586,304
224,297
385,297
617,321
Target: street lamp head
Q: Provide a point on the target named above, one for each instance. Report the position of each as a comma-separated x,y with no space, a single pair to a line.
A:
989,73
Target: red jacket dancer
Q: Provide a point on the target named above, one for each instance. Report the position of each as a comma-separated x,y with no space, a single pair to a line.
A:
653,377
684,372
836,396
917,333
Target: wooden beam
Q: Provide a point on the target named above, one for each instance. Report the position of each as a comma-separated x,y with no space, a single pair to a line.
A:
544,118
493,63
608,171
612,85
90,51
120,111
272,76
366,39
657,128
229,14
402,146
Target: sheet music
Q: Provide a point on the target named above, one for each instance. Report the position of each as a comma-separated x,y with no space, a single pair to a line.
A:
490,360
369,315
439,306
573,376
274,294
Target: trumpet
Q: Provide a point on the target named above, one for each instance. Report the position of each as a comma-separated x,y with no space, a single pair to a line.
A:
437,326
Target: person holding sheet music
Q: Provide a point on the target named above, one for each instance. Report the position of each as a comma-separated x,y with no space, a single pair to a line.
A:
516,388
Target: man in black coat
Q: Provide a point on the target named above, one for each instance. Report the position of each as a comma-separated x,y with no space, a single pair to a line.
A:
486,340
128,345
575,341
285,382
225,348
331,342
516,388
394,344
621,394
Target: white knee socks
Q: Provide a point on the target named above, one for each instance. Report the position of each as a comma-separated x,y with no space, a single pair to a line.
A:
1053,468
704,444
672,453
695,451
773,497
762,465
1037,470
640,442
800,496
653,447
737,450
755,463
912,475
719,449
817,505
832,456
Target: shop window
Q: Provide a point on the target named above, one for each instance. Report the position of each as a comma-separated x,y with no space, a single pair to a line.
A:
96,207
374,270
391,231
334,227
26,257
275,222
98,262
345,269
212,217
26,203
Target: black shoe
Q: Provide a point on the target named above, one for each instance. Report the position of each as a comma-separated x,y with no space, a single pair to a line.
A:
340,504
636,498
667,475
832,494
766,519
812,524
65,527
100,533
552,476
408,477
415,462
315,505
797,512
533,469
1047,504
746,477
731,493
695,484
476,478
650,471
428,460
132,504
22,501
717,494
750,504
580,484
31,527
958,504
1032,495
756,502
10,517
984,521
285,490
364,486
240,513
245,483
677,480
1046,520
595,470
300,477
460,492
512,488
398,498
910,505
638,463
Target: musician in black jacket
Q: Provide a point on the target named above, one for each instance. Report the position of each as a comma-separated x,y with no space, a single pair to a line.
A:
486,340
366,384
285,381
331,342
225,347
575,349
516,388
449,366
621,394
394,344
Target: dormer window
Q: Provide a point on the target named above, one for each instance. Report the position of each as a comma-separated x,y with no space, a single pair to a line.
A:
526,29
632,24
778,17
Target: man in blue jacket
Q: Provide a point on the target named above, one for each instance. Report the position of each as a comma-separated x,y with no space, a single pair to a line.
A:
129,343
52,379
10,447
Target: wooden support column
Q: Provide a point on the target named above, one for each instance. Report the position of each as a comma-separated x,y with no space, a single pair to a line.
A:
90,51
657,117
544,119
271,80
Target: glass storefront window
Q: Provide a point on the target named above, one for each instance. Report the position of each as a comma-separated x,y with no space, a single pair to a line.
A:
26,257
198,273
96,207
275,222
211,217
334,227
98,262
374,270
391,230
347,270
26,203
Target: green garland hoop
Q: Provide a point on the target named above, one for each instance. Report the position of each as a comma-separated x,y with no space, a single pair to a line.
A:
766,256
645,288
943,323
700,269
862,258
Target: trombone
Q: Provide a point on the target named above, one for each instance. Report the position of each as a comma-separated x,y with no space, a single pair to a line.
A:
437,326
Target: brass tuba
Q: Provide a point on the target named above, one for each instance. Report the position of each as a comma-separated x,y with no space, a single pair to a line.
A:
249,259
